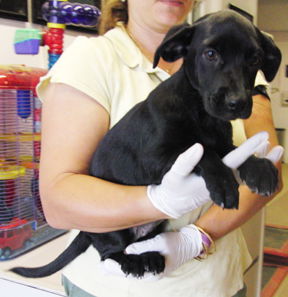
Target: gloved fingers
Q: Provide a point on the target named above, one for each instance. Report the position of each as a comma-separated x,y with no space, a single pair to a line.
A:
154,244
239,155
275,154
262,150
111,267
186,161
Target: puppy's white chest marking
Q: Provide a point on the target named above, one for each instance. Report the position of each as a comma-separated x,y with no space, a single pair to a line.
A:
143,230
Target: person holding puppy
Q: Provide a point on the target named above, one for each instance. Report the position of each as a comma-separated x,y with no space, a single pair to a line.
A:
94,83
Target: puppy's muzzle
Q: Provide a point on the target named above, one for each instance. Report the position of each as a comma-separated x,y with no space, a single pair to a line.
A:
238,107
230,106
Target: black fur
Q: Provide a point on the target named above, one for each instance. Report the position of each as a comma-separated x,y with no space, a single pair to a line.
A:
222,54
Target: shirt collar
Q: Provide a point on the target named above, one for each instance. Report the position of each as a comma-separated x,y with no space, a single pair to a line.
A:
129,53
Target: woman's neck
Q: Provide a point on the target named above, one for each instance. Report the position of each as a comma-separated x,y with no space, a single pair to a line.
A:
145,36
148,41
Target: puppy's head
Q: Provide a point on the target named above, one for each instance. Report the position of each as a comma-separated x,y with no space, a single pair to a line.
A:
222,54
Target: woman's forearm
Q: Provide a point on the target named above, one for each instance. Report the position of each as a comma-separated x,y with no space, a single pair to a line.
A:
219,222
104,206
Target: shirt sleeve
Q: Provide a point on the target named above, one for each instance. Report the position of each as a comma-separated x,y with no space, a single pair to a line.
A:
84,65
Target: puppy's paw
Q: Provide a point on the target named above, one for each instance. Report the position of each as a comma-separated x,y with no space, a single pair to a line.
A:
260,175
153,262
223,188
137,265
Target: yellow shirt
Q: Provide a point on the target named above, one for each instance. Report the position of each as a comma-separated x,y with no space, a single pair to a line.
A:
112,70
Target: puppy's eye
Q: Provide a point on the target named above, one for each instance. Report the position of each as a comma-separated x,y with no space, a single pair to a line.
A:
211,55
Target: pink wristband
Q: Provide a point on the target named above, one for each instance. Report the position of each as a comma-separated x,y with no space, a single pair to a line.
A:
207,243
206,240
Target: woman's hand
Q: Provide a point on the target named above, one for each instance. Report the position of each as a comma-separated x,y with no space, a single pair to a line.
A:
177,248
182,191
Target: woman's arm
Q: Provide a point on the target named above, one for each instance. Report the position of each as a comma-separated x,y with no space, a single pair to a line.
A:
217,221
73,125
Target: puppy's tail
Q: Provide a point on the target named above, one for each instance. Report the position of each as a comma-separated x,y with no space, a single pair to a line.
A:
79,245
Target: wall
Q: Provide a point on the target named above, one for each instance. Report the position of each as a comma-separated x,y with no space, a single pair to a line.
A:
279,91
280,87
208,6
250,6
273,15
273,19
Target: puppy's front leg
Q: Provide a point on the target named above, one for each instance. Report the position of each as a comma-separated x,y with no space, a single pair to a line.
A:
260,175
220,180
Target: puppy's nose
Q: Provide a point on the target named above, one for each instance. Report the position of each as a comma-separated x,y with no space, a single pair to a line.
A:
236,104
233,104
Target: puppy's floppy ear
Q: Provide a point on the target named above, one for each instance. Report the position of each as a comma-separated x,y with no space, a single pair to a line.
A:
272,56
175,43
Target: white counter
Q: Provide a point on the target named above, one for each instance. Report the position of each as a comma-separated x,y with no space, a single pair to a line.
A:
17,286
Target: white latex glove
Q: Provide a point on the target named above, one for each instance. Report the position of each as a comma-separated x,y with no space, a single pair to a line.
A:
260,144
182,191
177,247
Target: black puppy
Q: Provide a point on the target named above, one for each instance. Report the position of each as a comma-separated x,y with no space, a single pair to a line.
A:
222,53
